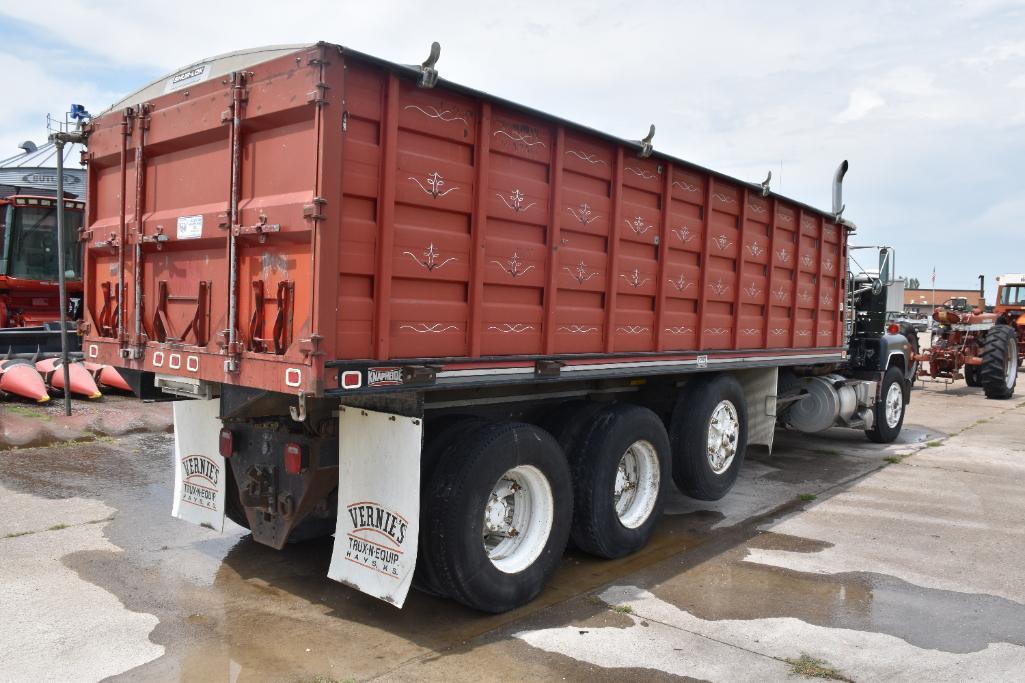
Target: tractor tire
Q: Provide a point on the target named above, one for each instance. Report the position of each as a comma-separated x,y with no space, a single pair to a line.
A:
507,484
620,463
706,468
909,332
971,376
889,409
998,373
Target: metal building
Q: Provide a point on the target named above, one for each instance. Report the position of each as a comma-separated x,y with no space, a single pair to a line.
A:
34,170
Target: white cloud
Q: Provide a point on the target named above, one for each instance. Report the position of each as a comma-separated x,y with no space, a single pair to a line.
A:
1001,52
861,102
32,94
915,95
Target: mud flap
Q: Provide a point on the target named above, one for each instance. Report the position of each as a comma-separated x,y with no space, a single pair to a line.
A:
378,502
759,386
199,476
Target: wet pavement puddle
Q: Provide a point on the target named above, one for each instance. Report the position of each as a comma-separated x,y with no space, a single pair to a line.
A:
226,607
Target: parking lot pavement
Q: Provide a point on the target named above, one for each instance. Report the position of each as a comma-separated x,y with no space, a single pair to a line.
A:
896,562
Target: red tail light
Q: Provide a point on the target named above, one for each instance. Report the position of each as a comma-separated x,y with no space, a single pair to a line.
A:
295,460
227,443
893,328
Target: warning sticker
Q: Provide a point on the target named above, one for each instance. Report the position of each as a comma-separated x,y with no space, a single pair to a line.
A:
190,227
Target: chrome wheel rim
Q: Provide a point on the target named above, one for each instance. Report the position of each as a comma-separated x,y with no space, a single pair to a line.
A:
518,518
636,486
894,404
723,436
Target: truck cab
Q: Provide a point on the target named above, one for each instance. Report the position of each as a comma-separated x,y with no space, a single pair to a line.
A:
877,342
1010,308
1010,297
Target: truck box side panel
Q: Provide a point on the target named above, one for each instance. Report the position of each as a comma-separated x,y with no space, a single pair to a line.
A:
584,217
501,224
360,207
430,261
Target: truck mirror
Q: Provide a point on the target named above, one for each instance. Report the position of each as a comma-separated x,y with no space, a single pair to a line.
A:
886,265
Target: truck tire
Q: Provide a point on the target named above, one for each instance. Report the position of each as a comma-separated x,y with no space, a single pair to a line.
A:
499,508
233,509
708,434
998,373
971,376
911,334
890,408
620,463
440,433
566,421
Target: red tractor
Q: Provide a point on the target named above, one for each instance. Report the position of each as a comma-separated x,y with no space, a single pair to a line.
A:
29,299
1010,308
982,348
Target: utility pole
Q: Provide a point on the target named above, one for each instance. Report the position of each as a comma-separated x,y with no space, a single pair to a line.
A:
62,136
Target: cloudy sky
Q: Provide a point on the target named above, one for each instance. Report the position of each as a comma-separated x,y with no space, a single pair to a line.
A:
926,99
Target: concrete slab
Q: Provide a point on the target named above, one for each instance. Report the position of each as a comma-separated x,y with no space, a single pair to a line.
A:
57,626
902,571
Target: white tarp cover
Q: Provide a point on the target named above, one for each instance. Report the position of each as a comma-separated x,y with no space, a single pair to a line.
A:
378,502
199,476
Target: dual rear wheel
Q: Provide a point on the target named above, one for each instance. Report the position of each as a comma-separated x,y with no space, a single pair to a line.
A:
501,501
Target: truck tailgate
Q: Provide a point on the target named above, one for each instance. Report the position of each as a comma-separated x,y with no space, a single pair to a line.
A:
200,252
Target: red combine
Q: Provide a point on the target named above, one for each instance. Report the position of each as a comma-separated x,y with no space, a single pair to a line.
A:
453,330
28,259
29,297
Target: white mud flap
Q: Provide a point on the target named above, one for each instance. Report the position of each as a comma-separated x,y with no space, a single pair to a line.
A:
378,503
199,476
760,393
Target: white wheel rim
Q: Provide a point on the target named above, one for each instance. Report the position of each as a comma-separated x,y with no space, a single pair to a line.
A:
894,404
723,436
518,518
1012,364
635,490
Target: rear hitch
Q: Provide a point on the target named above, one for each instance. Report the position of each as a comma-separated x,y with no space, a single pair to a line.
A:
261,491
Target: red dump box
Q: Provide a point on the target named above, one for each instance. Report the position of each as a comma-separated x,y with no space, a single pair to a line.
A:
317,213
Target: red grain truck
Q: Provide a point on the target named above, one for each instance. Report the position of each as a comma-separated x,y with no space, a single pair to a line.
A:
452,330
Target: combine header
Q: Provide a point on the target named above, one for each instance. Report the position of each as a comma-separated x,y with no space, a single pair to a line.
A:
19,377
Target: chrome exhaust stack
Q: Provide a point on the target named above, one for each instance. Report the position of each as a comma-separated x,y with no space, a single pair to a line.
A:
838,205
